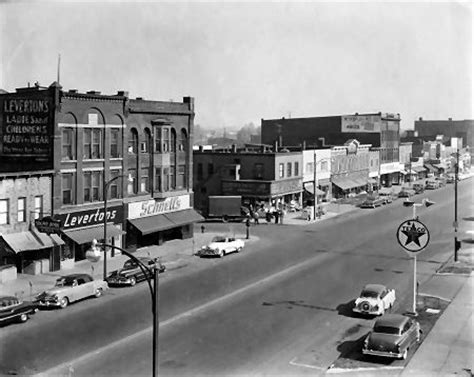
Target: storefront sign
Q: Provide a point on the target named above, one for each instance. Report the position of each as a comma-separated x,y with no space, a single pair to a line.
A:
158,206
90,217
287,186
253,189
48,225
360,123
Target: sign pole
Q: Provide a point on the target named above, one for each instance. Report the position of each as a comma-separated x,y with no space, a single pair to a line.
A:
414,286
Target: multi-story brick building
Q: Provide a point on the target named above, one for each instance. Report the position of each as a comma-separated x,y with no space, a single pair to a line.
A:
259,175
429,129
381,130
133,151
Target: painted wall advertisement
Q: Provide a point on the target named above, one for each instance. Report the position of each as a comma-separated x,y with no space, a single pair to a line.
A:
26,128
361,123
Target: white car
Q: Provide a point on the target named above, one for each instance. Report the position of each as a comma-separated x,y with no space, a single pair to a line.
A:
375,299
221,246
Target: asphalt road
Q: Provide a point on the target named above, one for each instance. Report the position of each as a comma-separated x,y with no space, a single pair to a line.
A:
279,307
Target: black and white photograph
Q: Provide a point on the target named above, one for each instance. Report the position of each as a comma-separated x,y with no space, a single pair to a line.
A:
236,188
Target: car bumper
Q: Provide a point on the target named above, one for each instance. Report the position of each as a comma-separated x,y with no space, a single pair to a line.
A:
118,282
204,253
367,312
48,303
382,353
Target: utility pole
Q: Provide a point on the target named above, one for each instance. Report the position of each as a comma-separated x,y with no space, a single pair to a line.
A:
315,195
456,173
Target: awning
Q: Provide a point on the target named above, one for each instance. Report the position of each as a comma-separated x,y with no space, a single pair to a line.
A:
373,181
344,183
32,240
418,169
431,168
361,181
187,216
86,235
310,188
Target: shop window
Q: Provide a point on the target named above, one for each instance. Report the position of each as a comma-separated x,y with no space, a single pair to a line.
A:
115,143
67,140
21,210
38,211
132,182
66,188
144,180
158,179
288,169
172,178
297,168
281,170
4,211
133,141
181,179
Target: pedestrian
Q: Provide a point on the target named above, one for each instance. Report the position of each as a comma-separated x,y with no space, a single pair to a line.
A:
255,217
277,215
282,212
268,217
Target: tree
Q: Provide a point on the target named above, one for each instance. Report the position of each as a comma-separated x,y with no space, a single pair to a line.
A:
245,133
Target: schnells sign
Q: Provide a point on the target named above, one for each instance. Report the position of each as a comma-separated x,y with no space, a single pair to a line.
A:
26,128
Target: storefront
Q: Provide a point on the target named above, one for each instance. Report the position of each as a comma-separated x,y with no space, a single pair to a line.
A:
390,173
152,222
345,184
31,251
81,227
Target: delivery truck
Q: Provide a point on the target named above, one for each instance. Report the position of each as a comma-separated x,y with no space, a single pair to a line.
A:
227,208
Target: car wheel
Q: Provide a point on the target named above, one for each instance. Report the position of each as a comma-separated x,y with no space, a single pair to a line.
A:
64,302
405,354
133,281
98,292
23,317
239,249
225,218
221,253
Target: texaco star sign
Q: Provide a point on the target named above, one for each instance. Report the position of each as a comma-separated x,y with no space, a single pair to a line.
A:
413,235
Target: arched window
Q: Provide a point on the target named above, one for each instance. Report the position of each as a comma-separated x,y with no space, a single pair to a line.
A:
183,140
173,141
133,141
146,144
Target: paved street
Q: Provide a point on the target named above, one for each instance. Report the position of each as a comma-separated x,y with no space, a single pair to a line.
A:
277,308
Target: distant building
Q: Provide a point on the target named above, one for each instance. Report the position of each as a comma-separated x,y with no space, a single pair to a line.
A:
429,129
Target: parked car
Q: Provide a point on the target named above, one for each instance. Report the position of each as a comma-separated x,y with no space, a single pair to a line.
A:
432,185
14,309
406,193
450,179
131,273
419,187
372,202
441,181
392,336
374,299
221,246
71,288
388,197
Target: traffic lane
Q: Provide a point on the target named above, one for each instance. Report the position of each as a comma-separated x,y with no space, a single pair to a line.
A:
78,322
270,321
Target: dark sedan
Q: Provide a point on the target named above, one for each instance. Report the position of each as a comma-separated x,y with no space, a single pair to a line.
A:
13,309
392,336
131,273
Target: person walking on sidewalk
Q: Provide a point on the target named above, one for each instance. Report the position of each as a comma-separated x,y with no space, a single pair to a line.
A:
255,217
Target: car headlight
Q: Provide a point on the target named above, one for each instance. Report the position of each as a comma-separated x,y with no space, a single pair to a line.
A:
376,307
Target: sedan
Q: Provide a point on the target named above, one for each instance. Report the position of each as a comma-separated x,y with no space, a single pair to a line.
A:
221,246
392,336
13,309
405,193
374,299
131,273
373,202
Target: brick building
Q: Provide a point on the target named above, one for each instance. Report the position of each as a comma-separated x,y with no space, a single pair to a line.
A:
137,152
429,129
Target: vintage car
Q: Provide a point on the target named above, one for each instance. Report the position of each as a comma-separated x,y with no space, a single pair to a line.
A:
392,336
131,273
13,309
374,299
450,179
221,246
71,288
387,196
372,202
406,193
418,187
432,185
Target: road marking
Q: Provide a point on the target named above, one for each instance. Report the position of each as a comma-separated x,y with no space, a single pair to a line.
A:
351,370
56,370
293,362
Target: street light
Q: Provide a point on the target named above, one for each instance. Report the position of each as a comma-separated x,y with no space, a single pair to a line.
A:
106,186
149,275
315,184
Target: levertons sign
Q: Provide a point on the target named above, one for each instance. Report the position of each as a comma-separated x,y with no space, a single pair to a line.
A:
90,217
158,206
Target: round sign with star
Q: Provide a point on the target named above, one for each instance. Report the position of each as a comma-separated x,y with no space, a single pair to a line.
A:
413,235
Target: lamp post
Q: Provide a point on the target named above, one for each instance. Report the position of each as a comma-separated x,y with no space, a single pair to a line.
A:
106,186
149,275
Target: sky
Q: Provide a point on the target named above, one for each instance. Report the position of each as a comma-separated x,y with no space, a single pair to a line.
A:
244,61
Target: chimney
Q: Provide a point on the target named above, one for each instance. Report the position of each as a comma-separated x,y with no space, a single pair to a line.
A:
275,145
323,141
303,146
72,91
201,148
122,93
280,140
450,119
93,92
139,98
234,148
420,119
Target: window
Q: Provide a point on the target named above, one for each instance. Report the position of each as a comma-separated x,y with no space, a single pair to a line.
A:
146,144
144,181
132,183
114,143
172,177
183,141
297,168
92,186
87,143
68,144
158,139
173,141
38,206
96,143
281,169
288,169
21,210
66,187
309,167
181,179
199,171
114,185
133,141
4,208
166,179
210,168
87,187
165,140
258,171
158,179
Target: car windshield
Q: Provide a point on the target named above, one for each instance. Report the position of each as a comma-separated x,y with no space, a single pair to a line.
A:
64,283
218,239
387,330
129,264
369,294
